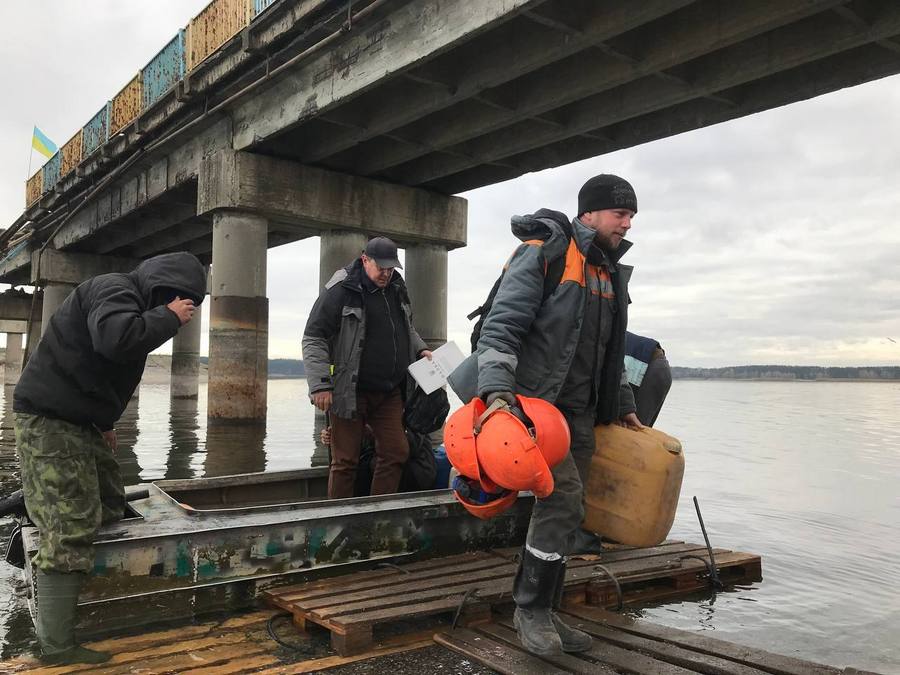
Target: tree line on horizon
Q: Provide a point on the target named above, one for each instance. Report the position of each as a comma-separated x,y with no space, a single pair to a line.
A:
294,368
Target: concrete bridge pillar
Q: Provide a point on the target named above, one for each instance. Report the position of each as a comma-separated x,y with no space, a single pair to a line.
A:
336,249
239,318
186,359
14,354
54,294
426,278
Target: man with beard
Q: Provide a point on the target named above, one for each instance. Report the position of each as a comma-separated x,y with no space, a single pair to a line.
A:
566,345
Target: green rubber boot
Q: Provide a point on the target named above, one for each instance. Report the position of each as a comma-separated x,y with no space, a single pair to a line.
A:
57,602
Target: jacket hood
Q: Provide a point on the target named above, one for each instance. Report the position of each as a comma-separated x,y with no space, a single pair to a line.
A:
551,227
181,271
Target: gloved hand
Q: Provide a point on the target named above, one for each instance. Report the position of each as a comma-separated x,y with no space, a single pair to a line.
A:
507,396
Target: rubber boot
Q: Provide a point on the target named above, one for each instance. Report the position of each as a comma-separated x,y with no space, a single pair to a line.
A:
57,602
533,591
572,639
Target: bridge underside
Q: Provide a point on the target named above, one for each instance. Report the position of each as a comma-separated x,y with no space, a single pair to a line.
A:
565,80
449,95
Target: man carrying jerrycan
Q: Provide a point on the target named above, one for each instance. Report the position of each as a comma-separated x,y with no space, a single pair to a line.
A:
554,333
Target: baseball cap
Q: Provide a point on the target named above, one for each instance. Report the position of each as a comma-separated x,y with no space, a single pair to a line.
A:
383,251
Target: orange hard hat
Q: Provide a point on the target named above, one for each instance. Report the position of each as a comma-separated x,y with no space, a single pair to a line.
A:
508,454
551,431
459,442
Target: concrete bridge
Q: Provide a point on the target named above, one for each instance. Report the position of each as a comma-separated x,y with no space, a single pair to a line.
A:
349,120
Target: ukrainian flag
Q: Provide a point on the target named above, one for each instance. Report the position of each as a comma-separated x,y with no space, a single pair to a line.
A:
43,144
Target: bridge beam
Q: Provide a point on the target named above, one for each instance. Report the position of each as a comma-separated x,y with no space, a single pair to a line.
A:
293,194
17,305
60,267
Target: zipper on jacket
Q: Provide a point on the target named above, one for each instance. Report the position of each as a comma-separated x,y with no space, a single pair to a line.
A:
393,329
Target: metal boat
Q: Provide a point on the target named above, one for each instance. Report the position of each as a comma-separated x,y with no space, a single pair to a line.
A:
210,544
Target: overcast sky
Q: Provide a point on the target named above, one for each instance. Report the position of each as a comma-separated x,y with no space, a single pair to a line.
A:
771,239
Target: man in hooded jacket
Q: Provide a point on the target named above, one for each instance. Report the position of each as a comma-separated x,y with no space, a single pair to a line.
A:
71,393
567,348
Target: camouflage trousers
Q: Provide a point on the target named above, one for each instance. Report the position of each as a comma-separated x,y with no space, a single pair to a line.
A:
72,484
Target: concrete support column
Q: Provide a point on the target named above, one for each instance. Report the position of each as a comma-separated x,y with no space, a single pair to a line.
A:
54,294
14,354
239,318
426,278
186,358
337,248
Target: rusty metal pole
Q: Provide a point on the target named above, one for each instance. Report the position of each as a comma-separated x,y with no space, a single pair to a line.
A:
239,318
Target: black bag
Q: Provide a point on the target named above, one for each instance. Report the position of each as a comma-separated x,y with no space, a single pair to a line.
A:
552,276
420,469
426,413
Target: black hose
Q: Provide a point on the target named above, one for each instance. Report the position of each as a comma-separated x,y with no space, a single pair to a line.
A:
270,629
462,603
620,599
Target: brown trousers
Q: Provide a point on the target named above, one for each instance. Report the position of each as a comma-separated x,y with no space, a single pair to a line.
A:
383,413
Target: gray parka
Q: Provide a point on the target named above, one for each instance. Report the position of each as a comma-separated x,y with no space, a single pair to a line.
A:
527,343
334,336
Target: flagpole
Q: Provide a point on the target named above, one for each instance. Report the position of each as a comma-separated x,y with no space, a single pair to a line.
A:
30,156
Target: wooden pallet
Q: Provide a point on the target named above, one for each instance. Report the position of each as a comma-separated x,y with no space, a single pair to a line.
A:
626,645
351,607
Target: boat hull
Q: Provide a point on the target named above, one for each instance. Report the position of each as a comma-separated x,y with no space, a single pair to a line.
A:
213,544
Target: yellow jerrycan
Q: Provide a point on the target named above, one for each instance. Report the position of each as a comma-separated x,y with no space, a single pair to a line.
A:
633,486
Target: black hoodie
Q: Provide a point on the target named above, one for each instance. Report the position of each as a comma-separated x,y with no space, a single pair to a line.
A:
92,354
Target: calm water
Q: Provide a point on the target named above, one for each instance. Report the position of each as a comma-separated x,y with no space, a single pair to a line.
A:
805,474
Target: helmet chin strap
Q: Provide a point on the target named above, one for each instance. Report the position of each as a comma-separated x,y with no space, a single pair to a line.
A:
497,404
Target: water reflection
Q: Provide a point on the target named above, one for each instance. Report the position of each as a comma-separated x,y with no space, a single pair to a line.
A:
183,437
234,448
127,433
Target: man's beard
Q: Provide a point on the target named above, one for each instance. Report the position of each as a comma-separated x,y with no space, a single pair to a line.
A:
606,242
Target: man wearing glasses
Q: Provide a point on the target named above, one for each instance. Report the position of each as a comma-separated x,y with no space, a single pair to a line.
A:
361,324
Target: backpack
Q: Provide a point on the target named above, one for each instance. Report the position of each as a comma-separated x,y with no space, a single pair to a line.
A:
552,276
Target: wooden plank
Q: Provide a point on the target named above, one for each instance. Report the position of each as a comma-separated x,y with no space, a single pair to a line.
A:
241,665
436,606
377,582
608,654
394,645
489,588
363,579
772,663
496,655
399,591
679,656
181,633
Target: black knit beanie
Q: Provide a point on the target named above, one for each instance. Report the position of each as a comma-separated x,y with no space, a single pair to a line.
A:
606,191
